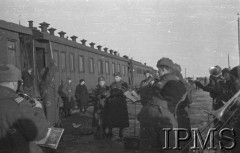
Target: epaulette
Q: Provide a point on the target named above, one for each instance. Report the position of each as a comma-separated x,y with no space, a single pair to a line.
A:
18,99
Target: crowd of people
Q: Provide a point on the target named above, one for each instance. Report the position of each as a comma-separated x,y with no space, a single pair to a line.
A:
164,98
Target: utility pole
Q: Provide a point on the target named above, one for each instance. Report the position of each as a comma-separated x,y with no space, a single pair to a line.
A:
185,73
229,62
19,19
239,37
238,43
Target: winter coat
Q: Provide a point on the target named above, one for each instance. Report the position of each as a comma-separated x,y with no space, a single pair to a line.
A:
81,94
101,94
20,124
51,101
116,106
165,107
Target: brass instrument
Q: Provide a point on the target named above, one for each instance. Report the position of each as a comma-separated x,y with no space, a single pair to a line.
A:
224,113
215,71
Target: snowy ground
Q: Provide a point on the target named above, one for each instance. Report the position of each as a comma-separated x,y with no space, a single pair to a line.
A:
75,142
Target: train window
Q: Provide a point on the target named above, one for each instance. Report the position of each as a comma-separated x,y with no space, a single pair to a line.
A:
91,65
139,71
12,52
118,68
71,62
123,69
56,58
113,68
107,67
80,63
100,66
63,61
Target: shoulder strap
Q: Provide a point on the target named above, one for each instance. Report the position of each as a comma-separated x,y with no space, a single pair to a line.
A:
18,99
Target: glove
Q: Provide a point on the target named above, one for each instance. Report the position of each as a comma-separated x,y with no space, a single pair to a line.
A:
37,104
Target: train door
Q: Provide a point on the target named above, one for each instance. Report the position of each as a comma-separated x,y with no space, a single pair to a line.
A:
40,56
12,58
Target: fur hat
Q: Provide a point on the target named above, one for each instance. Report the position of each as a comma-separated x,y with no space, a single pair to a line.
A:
146,71
9,73
166,62
225,70
235,71
101,79
117,74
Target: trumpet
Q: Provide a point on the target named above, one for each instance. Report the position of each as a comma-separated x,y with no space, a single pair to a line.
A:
224,113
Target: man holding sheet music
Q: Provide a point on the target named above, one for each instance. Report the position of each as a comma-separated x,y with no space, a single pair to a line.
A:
20,123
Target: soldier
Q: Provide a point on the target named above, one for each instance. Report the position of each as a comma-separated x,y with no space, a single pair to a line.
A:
28,82
235,120
214,87
149,79
81,94
116,106
101,94
20,123
165,107
68,91
50,96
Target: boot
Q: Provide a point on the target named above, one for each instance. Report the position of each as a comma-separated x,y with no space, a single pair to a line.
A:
120,133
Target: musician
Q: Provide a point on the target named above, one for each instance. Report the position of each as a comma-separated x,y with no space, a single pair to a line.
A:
235,120
165,100
214,86
228,86
98,122
148,80
20,123
116,106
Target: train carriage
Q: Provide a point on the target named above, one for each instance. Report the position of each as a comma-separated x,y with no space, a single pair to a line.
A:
30,47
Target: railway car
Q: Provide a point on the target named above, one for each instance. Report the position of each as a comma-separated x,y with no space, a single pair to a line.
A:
33,47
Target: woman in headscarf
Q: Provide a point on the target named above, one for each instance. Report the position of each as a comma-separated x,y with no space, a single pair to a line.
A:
82,96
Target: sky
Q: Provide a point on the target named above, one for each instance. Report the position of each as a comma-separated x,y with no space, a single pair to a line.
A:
197,34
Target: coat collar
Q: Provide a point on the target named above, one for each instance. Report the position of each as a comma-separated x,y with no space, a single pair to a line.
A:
7,92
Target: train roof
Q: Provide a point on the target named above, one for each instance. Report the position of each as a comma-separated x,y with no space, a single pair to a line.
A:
45,36
15,27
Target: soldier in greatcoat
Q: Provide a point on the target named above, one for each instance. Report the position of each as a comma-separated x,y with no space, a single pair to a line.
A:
166,101
116,106
20,123
50,96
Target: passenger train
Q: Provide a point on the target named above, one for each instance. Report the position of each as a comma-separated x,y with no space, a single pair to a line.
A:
35,47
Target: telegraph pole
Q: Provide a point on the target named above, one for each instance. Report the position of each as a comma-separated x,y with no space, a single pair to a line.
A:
229,62
239,37
238,43
185,73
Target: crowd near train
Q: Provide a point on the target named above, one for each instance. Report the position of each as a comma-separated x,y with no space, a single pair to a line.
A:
41,74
